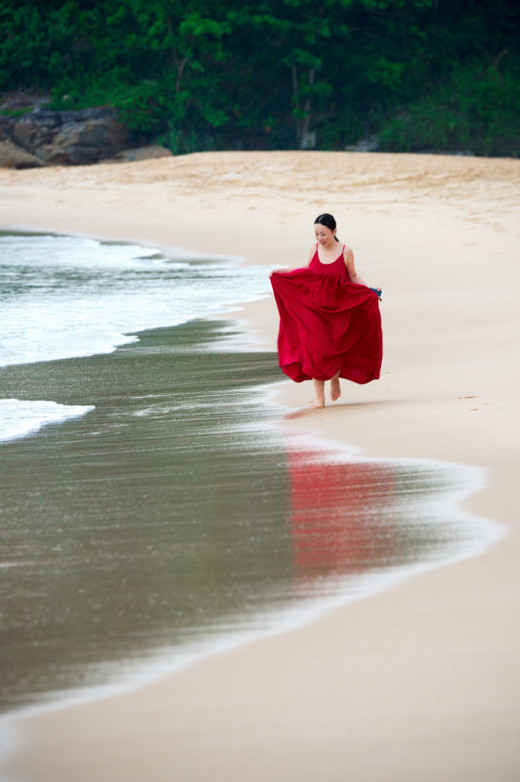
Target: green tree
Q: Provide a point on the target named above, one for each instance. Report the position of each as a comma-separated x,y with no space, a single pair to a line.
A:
276,73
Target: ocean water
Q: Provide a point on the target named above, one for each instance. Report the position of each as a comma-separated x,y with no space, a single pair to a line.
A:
64,297
153,508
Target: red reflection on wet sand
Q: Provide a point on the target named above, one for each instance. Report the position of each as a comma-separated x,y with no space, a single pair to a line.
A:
340,517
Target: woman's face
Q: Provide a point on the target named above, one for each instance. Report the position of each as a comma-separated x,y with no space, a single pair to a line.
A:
323,234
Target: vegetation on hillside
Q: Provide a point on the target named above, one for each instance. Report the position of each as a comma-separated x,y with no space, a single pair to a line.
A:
436,75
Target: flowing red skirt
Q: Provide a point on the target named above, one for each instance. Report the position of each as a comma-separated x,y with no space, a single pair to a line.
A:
327,325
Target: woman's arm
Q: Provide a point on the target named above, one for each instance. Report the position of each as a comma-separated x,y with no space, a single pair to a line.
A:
292,268
348,256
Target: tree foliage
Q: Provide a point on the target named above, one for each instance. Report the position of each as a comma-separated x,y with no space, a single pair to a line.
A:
202,74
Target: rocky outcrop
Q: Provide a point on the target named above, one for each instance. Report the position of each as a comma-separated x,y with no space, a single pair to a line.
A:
61,137
13,156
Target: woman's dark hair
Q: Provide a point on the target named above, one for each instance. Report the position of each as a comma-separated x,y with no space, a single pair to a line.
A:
328,221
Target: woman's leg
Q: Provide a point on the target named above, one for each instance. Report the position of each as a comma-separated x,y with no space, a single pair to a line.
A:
319,390
335,388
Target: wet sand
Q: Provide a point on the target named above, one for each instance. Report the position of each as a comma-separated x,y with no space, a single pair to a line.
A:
177,518
420,682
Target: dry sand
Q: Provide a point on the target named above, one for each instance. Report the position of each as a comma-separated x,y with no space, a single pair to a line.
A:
417,683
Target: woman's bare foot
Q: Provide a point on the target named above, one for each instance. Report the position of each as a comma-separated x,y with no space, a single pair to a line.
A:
335,389
318,404
319,390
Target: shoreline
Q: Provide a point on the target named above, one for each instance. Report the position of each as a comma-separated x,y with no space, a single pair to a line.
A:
163,664
291,617
462,613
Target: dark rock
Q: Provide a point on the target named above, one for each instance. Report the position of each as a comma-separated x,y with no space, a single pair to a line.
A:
19,100
66,137
12,156
81,140
29,133
5,129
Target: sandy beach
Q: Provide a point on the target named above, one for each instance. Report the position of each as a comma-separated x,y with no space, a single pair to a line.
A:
419,682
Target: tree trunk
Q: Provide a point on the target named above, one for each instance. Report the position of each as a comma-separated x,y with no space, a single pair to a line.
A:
308,138
180,70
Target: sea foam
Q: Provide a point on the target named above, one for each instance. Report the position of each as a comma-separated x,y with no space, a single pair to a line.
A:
66,297
19,418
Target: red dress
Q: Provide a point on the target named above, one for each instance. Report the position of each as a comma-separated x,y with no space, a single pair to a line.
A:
327,323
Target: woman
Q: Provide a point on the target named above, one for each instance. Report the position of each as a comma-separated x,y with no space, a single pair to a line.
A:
330,326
